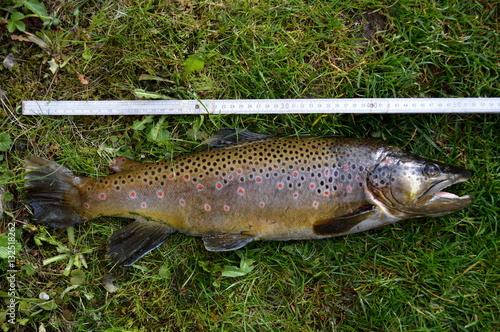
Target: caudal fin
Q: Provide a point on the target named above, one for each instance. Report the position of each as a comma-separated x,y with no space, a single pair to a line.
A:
52,191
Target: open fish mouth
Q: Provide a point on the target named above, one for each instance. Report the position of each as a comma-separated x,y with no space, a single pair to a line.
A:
441,202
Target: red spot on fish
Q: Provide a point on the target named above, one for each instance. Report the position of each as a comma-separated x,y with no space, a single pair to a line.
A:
86,205
182,202
315,204
159,193
239,170
218,185
327,172
102,196
276,166
230,176
295,195
207,207
389,161
312,185
326,192
144,205
132,194
340,186
258,179
295,174
186,177
226,208
241,191
346,167
349,188
200,187
171,176
281,185
262,204
358,178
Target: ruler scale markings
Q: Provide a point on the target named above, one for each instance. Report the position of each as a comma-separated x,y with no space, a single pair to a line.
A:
264,106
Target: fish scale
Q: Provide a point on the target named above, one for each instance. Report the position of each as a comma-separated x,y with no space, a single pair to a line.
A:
247,187
225,187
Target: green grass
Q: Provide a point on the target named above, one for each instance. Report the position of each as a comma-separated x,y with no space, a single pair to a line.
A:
429,274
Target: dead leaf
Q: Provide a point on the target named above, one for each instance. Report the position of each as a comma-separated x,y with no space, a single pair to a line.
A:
20,38
82,78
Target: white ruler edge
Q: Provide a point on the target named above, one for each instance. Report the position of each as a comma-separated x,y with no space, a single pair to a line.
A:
263,106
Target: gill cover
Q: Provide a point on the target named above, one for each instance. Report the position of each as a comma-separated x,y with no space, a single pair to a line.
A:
411,186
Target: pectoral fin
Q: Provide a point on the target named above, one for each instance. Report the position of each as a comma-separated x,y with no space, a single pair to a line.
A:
225,242
136,239
343,224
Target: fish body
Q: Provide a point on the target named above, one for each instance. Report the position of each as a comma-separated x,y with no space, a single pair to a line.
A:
248,187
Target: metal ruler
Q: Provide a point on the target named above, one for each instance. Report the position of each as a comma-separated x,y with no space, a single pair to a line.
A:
264,106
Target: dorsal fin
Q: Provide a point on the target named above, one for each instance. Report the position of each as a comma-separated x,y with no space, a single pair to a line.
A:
229,136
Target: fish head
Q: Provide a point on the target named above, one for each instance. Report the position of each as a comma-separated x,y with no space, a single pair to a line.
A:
408,185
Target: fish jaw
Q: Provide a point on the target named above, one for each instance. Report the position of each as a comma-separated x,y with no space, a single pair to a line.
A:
436,202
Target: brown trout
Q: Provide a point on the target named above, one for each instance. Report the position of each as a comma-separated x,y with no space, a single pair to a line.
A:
248,187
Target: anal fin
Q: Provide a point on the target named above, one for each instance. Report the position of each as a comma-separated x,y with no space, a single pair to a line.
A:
136,239
343,224
225,242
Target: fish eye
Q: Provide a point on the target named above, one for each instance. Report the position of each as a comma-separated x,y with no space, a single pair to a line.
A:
431,170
